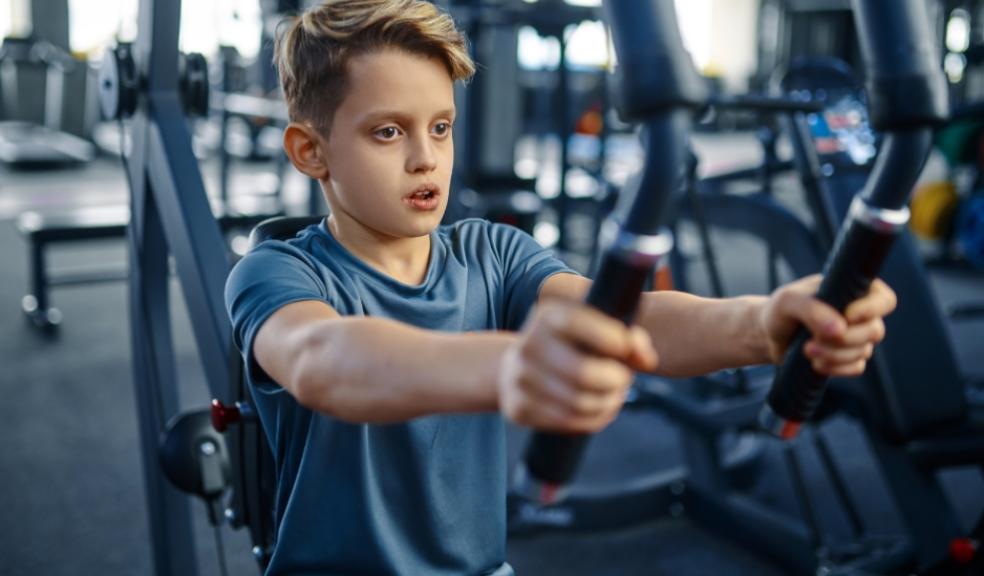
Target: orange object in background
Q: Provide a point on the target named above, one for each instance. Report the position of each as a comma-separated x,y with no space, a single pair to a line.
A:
591,123
663,278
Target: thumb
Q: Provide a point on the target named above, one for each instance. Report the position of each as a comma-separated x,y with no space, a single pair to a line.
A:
825,322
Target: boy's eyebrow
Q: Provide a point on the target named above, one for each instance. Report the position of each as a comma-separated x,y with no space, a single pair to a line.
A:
396,114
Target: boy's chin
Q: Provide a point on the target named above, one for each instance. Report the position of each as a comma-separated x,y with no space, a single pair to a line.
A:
424,226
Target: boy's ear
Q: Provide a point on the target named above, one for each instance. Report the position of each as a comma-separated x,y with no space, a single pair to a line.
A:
303,146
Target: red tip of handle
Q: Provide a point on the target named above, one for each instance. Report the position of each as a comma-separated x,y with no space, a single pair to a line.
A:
790,430
548,494
223,416
962,550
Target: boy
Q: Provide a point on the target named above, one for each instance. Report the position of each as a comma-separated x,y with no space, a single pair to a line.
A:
381,347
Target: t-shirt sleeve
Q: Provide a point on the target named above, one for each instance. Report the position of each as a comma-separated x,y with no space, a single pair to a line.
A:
271,276
525,267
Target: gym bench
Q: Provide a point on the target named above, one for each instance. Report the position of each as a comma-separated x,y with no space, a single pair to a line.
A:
43,230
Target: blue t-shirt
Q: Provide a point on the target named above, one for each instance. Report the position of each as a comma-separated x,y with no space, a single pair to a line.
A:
420,497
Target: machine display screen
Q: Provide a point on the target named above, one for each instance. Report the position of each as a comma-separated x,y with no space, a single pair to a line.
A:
841,131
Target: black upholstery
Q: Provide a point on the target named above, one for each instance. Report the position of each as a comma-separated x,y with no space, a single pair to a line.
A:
254,470
280,228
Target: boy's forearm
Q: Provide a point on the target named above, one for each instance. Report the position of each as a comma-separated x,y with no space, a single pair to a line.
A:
695,335
377,370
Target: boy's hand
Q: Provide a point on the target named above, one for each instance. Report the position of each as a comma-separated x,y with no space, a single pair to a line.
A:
571,368
841,345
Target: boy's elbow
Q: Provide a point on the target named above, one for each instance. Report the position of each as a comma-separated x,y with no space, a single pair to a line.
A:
311,381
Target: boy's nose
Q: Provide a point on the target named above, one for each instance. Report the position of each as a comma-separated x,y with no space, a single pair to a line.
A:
422,156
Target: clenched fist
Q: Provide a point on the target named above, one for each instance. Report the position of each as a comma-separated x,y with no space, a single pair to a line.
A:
841,345
571,368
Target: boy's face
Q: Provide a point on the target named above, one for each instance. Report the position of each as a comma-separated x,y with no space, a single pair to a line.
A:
389,151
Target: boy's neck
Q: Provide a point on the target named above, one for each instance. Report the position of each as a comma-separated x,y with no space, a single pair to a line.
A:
403,259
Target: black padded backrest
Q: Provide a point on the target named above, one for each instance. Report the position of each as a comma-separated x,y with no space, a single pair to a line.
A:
253,466
280,228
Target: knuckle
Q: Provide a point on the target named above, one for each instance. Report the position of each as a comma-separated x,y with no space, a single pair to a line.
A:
878,331
520,414
526,381
819,366
891,297
550,315
857,368
623,376
527,348
583,378
583,405
577,425
783,297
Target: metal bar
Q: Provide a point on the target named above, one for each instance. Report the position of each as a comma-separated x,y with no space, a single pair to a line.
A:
840,487
153,368
225,162
765,181
94,276
564,131
193,235
703,230
39,277
168,199
803,496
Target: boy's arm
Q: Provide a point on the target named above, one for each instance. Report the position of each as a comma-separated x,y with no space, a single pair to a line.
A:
695,335
567,370
377,370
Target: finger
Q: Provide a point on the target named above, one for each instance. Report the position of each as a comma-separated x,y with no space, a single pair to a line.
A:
584,371
554,354
837,355
602,376
879,301
643,356
870,332
840,370
590,329
592,425
820,318
808,284
546,417
544,388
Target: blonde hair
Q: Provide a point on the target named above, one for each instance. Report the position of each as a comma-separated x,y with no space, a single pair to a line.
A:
313,52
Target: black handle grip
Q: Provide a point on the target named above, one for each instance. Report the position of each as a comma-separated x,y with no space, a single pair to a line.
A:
858,255
553,458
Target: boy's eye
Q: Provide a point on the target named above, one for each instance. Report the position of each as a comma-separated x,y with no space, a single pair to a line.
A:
387,133
442,128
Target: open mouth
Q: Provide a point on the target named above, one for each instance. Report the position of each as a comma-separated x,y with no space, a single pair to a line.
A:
424,197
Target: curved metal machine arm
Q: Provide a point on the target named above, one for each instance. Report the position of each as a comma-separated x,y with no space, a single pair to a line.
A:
656,84
908,96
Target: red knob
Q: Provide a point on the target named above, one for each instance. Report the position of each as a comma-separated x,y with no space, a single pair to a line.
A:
962,550
223,416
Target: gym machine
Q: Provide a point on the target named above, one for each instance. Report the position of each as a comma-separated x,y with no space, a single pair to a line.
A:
24,142
170,216
906,449
656,84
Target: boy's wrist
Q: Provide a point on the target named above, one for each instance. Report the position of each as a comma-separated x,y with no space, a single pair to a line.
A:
499,344
758,342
